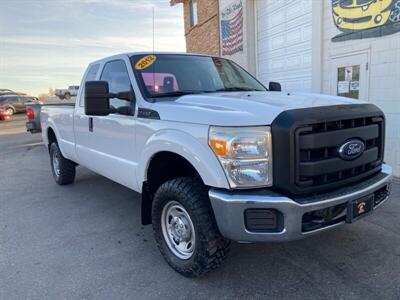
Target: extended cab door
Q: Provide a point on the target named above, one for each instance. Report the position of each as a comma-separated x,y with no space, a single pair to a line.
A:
112,138
81,121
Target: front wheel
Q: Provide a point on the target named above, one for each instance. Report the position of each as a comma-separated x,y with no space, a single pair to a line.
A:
63,169
9,111
67,96
185,228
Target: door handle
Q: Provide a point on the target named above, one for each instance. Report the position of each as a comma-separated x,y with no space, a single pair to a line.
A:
90,124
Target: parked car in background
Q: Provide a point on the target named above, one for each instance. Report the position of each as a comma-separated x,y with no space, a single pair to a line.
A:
4,115
10,92
72,91
7,92
16,103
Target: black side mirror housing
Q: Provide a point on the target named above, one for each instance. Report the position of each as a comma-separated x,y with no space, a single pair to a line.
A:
275,87
97,100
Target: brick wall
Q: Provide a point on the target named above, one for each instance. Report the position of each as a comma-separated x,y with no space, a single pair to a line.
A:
203,37
384,77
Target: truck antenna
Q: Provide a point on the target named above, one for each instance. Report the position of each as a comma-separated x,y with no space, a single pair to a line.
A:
154,75
153,26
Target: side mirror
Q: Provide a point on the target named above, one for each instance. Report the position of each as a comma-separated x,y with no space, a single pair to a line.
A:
274,87
97,98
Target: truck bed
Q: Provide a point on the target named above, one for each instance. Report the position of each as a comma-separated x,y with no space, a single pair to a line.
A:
33,124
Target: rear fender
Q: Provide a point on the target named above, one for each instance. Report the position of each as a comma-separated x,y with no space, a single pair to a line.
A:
45,134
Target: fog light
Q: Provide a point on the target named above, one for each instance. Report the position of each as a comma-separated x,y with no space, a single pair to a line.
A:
263,220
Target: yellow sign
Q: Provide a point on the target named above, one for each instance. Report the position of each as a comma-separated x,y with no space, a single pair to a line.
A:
368,14
367,18
145,62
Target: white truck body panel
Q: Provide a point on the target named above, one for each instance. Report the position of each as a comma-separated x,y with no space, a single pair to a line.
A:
190,142
60,119
241,108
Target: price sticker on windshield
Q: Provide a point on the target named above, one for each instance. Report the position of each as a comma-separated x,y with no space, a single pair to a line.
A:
145,62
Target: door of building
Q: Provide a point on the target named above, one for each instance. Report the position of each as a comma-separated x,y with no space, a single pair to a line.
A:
350,76
284,43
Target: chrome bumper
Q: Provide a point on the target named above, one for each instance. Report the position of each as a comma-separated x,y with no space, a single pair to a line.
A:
230,206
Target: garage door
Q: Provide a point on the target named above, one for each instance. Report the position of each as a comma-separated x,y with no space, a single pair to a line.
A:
284,43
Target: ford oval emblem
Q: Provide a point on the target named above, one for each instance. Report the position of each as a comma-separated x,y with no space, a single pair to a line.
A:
351,149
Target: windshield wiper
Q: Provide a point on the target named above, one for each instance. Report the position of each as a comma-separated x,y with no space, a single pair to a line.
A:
176,93
234,89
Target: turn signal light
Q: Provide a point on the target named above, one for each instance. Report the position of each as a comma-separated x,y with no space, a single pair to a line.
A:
220,147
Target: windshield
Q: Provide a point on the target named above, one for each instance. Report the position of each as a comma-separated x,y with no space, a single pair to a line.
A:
169,75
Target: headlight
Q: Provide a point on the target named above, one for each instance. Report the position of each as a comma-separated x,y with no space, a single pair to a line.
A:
245,154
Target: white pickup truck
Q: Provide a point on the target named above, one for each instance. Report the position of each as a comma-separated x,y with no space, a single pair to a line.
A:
216,155
72,91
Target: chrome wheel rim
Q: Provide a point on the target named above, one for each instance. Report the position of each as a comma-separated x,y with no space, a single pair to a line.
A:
56,163
178,230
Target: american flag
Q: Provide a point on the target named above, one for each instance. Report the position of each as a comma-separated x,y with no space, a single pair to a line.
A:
232,33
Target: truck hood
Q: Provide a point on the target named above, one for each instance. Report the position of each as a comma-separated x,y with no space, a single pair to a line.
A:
241,108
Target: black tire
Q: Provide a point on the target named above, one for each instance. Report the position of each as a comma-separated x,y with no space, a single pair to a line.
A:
65,172
61,97
67,96
210,247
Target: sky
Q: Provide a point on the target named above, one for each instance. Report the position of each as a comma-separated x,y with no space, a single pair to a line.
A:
48,43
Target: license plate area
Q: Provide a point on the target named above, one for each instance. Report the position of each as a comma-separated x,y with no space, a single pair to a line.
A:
359,208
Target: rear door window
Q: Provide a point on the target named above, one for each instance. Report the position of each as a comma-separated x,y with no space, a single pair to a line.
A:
90,76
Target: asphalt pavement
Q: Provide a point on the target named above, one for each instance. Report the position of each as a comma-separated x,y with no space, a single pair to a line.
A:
85,241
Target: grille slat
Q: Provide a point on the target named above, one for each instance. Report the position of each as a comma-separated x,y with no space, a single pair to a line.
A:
328,166
308,140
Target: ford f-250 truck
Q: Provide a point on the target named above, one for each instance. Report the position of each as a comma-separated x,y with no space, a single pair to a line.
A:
216,155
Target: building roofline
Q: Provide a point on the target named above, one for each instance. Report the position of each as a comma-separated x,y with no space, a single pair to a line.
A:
174,2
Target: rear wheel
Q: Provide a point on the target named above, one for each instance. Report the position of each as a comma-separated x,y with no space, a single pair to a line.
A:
67,96
185,228
63,169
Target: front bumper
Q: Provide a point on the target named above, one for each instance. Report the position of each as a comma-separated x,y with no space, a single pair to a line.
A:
230,207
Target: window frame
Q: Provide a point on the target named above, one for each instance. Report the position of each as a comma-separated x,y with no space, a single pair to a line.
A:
82,91
148,98
127,73
193,13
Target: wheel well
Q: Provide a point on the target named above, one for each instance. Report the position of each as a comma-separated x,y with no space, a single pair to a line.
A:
12,107
163,167
51,137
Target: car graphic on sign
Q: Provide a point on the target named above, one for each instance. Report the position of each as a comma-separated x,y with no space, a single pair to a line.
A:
361,14
367,16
